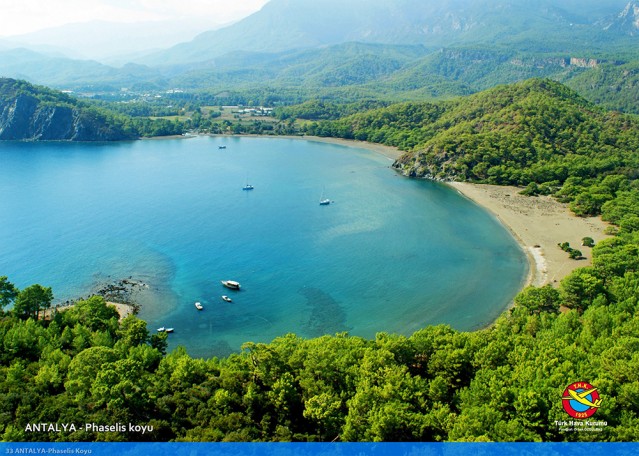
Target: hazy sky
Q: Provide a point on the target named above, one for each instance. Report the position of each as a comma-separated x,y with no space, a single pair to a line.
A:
24,16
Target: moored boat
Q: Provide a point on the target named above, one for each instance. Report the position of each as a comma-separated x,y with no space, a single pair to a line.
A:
324,201
232,284
169,330
199,306
162,329
226,298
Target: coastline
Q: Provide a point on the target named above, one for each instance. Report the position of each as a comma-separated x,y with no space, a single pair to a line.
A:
390,152
538,223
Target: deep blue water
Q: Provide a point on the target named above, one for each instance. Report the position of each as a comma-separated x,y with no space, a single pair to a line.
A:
389,254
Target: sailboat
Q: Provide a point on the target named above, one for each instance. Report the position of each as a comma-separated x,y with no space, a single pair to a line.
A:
324,201
247,186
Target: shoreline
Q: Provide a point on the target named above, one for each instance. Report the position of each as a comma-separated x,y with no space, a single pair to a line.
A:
537,223
390,152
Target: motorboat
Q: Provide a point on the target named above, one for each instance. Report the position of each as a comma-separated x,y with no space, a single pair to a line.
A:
169,330
232,284
162,329
199,306
248,187
227,299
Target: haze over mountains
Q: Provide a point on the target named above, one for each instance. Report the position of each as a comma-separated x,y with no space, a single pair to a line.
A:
288,24
334,43
112,41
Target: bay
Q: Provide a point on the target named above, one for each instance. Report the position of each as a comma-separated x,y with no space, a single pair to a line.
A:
388,254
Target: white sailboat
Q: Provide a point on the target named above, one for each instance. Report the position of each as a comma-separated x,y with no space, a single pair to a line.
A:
247,186
324,201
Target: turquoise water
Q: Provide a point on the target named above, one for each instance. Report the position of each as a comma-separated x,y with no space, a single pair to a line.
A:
389,254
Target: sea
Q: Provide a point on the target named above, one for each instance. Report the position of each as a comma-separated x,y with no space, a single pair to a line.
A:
388,254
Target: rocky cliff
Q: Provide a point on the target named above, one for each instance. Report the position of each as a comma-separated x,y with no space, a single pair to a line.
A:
26,115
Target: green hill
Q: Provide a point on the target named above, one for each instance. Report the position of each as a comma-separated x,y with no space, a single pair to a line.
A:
611,86
29,112
538,133
36,113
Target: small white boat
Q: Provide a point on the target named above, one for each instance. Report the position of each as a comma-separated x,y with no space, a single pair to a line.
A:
232,284
247,186
169,330
199,306
324,201
162,329
227,299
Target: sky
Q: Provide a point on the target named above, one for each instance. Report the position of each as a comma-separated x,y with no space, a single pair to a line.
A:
24,16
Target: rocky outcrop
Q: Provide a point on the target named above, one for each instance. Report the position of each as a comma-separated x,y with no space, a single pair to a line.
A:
583,62
421,165
25,117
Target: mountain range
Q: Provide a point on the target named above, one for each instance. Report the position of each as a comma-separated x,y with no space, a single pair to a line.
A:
396,49
289,24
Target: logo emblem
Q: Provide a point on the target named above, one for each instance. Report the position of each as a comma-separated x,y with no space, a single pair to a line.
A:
581,400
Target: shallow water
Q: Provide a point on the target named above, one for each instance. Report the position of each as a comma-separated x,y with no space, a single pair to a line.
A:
389,254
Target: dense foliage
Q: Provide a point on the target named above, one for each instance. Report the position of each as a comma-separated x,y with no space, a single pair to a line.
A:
611,86
97,116
502,383
11,89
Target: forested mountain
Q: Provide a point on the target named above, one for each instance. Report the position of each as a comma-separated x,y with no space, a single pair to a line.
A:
310,71
60,71
611,86
29,112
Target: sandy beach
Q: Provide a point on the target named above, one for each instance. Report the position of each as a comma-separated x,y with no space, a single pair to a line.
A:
123,309
538,223
390,152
